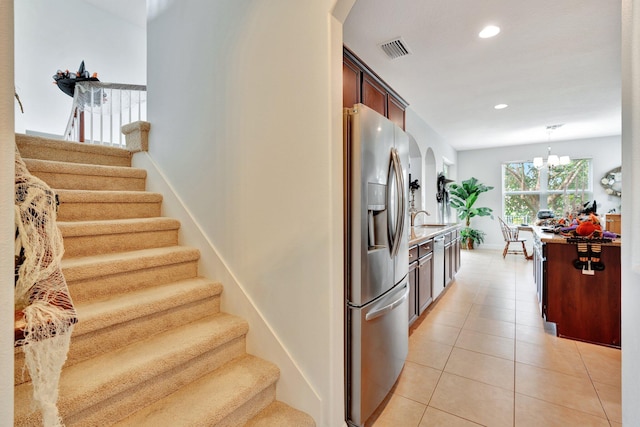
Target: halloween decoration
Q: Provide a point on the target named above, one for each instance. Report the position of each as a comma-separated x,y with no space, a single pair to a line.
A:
44,312
66,81
588,236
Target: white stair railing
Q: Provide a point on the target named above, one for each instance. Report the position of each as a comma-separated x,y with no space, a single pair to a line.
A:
100,109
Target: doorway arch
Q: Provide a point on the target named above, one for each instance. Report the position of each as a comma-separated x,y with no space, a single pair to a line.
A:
430,180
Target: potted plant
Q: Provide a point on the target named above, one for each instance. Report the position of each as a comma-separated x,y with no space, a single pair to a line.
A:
463,199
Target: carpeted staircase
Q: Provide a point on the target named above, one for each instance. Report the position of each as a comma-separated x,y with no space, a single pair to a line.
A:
151,347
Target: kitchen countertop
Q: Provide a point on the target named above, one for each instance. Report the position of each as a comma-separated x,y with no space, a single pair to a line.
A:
420,233
557,238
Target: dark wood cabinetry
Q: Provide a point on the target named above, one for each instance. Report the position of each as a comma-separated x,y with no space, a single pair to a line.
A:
351,80
413,284
395,112
420,278
585,307
362,85
373,95
449,258
425,279
456,252
433,255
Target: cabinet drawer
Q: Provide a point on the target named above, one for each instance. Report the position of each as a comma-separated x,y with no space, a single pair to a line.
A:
448,237
425,248
413,254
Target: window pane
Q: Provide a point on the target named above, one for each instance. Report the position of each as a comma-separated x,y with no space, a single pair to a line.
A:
574,176
521,177
563,205
521,208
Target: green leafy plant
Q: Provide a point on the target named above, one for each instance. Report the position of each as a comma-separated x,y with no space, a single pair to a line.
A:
463,198
470,237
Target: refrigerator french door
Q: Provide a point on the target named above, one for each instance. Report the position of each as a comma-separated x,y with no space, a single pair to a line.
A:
376,259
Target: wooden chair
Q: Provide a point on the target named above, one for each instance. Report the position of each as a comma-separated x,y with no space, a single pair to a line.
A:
510,234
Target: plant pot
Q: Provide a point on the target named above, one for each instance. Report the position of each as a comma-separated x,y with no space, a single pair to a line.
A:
469,244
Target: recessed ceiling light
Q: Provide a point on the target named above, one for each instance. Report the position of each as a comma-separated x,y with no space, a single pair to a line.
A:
500,106
489,31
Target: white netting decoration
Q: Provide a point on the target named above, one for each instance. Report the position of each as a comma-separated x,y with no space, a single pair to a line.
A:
41,292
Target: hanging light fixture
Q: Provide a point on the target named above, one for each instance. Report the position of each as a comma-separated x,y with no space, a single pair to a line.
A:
552,159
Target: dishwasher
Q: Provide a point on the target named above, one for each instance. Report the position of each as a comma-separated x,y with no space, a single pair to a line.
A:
438,266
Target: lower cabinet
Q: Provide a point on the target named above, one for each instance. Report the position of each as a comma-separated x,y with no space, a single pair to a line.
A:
436,259
456,251
420,279
425,280
449,259
413,284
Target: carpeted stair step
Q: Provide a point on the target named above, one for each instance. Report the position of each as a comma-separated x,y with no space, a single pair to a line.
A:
116,384
35,147
87,205
83,238
111,323
104,325
78,176
100,276
281,415
229,396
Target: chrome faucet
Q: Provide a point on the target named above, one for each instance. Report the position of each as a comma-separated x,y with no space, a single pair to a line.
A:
414,213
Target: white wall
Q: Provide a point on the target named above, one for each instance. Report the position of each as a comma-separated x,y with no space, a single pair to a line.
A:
7,197
427,138
252,144
630,212
486,165
52,35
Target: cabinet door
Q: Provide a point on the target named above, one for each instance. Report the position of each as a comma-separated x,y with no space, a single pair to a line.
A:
413,303
351,83
373,95
448,264
425,280
395,111
456,251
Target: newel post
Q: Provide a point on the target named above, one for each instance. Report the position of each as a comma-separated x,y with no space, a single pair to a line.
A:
137,136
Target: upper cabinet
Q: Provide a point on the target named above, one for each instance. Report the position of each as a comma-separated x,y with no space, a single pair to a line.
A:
361,84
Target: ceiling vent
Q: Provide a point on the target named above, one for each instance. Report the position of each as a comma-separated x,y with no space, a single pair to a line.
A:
395,48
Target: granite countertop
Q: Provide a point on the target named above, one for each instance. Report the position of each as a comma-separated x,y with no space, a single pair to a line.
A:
558,238
420,233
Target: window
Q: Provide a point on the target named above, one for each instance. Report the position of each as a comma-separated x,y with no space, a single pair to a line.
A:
562,189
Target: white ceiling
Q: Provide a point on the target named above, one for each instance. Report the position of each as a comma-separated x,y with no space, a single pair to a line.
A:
554,62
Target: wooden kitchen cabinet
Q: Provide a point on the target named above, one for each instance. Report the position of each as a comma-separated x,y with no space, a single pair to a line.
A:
413,284
585,307
456,252
614,223
449,258
395,111
351,80
362,85
373,95
428,261
425,279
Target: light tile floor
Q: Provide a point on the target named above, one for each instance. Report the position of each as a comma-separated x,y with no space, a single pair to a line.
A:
483,356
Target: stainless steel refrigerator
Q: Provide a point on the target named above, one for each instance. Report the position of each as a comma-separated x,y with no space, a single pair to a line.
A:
376,153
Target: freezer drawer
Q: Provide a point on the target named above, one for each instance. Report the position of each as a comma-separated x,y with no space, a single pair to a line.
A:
378,340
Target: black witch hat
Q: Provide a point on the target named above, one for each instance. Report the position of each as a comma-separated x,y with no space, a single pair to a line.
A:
66,81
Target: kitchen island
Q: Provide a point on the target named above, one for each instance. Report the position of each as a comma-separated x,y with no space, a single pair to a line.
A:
583,303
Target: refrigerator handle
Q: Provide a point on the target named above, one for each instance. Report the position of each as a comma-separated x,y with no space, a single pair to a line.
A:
373,314
396,167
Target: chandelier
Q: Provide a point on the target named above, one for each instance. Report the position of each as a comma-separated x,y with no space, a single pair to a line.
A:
553,160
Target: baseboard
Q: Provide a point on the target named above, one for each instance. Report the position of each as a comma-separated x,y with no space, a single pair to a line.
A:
293,387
